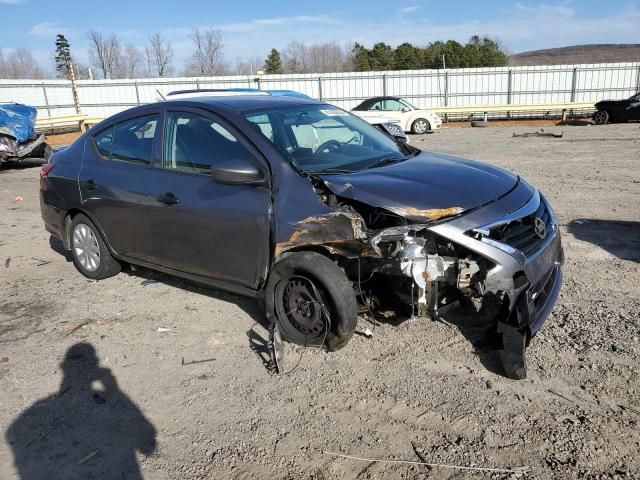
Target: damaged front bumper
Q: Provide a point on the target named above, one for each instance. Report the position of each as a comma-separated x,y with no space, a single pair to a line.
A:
516,259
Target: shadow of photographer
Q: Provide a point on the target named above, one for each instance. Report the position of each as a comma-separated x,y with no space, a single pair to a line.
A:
88,429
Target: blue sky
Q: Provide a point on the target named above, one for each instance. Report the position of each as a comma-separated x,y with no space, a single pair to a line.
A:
255,26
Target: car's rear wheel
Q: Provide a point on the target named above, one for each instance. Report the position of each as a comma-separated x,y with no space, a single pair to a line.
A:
601,117
312,300
420,126
90,253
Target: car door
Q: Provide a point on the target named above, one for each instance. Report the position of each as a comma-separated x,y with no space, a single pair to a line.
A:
199,226
114,181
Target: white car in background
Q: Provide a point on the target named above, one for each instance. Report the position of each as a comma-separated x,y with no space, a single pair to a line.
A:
412,119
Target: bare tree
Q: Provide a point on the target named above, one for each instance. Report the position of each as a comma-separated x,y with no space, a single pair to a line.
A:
130,63
104,53
248,66
20,64
316,58
207,59
160,55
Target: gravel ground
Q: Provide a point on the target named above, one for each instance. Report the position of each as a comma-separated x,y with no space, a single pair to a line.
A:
178,389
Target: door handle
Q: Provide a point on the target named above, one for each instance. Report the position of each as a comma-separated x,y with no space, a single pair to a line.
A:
167,198
90,185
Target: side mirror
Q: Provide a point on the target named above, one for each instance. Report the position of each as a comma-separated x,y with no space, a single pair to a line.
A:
237,172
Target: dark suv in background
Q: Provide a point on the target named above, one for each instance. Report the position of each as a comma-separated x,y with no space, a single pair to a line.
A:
306,206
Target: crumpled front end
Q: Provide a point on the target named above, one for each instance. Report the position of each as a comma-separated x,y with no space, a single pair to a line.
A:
506,256
513,262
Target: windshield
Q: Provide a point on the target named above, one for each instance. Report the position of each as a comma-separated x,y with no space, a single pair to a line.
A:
409,104
325,139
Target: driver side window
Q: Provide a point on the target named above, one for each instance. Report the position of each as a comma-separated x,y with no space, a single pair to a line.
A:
193,144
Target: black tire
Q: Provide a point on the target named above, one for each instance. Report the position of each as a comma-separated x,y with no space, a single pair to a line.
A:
309,275
479,123
420,126
601,117
107,266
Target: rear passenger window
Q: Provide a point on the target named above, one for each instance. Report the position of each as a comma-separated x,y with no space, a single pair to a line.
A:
133,140
103,142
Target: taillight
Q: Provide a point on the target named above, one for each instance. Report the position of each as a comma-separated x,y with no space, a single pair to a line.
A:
46,168
44,171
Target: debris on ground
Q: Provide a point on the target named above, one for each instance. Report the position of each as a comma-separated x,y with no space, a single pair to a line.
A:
539,133
7,262
163,329
364,332
148,282
194,362
88,457
18,199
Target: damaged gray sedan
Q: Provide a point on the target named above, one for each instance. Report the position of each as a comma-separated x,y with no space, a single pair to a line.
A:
300,203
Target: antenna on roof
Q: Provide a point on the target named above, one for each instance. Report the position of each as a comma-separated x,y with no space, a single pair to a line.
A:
160,94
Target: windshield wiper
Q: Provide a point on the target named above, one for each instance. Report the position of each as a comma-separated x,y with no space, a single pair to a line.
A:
330,171
383,162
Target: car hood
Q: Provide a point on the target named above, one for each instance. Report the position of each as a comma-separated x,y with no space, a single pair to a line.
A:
607,102
426,187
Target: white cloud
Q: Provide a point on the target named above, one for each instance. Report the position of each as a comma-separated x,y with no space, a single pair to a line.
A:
410,9
522,26
11,2
49,29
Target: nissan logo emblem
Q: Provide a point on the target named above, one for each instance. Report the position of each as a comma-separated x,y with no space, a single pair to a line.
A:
540,228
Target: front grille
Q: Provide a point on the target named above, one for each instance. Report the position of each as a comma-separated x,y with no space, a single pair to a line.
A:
543,289
522,234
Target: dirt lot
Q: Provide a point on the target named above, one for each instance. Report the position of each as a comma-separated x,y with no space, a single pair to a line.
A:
194,399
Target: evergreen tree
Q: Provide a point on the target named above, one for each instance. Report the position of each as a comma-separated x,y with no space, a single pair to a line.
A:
63,57
360,56
273,63
381,57
408,57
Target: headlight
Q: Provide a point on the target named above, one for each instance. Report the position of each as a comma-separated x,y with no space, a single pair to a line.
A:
394,129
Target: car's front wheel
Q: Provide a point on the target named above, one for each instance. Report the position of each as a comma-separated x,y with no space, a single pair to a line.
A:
90,253
420,126
601,117
312,300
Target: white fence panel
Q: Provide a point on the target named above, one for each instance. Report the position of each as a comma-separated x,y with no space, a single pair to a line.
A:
424,88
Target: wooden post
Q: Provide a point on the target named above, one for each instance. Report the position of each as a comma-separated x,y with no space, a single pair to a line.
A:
74,90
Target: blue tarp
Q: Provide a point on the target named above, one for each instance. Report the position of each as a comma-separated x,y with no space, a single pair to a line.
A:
19,120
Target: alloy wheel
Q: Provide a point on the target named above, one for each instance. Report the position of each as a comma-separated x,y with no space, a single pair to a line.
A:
420,126
86,248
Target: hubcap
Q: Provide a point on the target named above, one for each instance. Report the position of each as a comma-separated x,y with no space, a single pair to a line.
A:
421,126
86,248
600,117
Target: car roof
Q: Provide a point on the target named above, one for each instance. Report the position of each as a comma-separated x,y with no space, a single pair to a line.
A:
369,101
249,102
232,104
